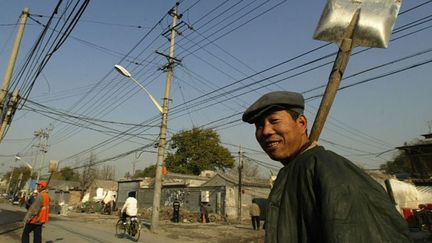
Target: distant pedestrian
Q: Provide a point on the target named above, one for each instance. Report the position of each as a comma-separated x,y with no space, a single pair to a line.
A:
255,212
176,211
203,214
22,201
37,215
31,199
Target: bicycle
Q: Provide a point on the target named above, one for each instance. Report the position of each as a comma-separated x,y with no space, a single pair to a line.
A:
131,228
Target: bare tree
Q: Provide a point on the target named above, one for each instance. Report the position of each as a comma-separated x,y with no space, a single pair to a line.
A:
88,174
106,172
250,170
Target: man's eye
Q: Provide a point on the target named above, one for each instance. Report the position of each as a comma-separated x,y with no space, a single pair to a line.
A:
274,121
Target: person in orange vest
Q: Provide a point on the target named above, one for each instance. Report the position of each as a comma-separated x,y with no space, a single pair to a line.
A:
37,215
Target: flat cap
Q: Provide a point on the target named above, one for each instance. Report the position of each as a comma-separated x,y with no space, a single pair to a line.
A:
283,99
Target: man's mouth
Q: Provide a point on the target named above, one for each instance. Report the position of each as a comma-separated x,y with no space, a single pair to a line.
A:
272,144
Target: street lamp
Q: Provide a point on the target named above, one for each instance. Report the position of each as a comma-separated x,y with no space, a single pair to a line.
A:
126,73
18,158
162,142
27,164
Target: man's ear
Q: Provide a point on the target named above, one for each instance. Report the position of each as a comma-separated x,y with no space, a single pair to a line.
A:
302,120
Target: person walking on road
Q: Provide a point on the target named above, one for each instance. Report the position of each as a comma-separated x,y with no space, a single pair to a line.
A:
255,212
37,215
318,196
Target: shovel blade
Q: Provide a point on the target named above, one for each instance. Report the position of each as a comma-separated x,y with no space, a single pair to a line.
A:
376,21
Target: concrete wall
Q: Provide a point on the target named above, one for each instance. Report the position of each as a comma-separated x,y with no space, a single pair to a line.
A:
222,199
123,189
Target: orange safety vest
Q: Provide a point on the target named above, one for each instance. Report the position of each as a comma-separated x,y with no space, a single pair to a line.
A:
42,216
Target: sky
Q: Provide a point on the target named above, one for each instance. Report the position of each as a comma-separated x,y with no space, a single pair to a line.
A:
230,53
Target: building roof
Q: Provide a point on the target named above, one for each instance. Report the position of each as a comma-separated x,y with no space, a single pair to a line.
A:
64,185
221,179
106,184
427,136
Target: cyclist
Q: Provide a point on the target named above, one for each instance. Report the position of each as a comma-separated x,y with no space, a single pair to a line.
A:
129,208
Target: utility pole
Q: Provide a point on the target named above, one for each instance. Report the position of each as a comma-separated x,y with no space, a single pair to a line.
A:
133,166
10,180
12,59
240,169
164,124
11,108
17,187
43,135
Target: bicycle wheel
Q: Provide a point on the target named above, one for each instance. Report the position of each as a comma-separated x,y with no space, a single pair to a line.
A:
120,229
135,230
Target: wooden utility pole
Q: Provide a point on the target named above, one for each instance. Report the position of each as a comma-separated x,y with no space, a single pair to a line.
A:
240,169
12,59
164,123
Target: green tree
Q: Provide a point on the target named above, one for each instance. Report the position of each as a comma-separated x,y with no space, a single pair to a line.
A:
20,176
400,164
69,174
402,161
197,150
147,172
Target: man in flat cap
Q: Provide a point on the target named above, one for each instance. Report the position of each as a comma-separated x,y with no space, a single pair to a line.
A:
318,196
37,215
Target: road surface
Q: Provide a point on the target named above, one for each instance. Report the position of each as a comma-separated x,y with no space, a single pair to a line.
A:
69,229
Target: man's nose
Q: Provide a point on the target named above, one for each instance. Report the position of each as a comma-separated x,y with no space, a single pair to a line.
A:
267,128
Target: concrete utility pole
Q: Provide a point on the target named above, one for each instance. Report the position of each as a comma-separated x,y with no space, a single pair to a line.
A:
10,179
7,119
12,59
19,183
240,169
164,124
43,135
133,166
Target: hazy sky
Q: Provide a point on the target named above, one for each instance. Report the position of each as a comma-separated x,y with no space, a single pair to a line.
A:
232,52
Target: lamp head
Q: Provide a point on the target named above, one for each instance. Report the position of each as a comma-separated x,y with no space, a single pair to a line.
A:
122,71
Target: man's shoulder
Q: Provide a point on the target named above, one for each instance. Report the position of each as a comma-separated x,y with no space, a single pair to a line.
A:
318,158
320,153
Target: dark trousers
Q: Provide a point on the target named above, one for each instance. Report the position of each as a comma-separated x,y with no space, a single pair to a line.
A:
124,216
37,233
176,216
255,222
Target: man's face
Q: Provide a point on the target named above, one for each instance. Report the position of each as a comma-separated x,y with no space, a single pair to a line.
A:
40,188
279,135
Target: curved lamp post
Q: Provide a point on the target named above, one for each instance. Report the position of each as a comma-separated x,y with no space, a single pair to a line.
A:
162,142
27,164
18,158
126,73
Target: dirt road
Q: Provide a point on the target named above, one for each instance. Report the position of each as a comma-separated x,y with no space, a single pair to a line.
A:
83,227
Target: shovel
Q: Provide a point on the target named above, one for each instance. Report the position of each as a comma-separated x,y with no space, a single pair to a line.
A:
351,23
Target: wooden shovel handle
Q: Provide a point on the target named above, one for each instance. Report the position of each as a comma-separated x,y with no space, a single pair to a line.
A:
336,75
